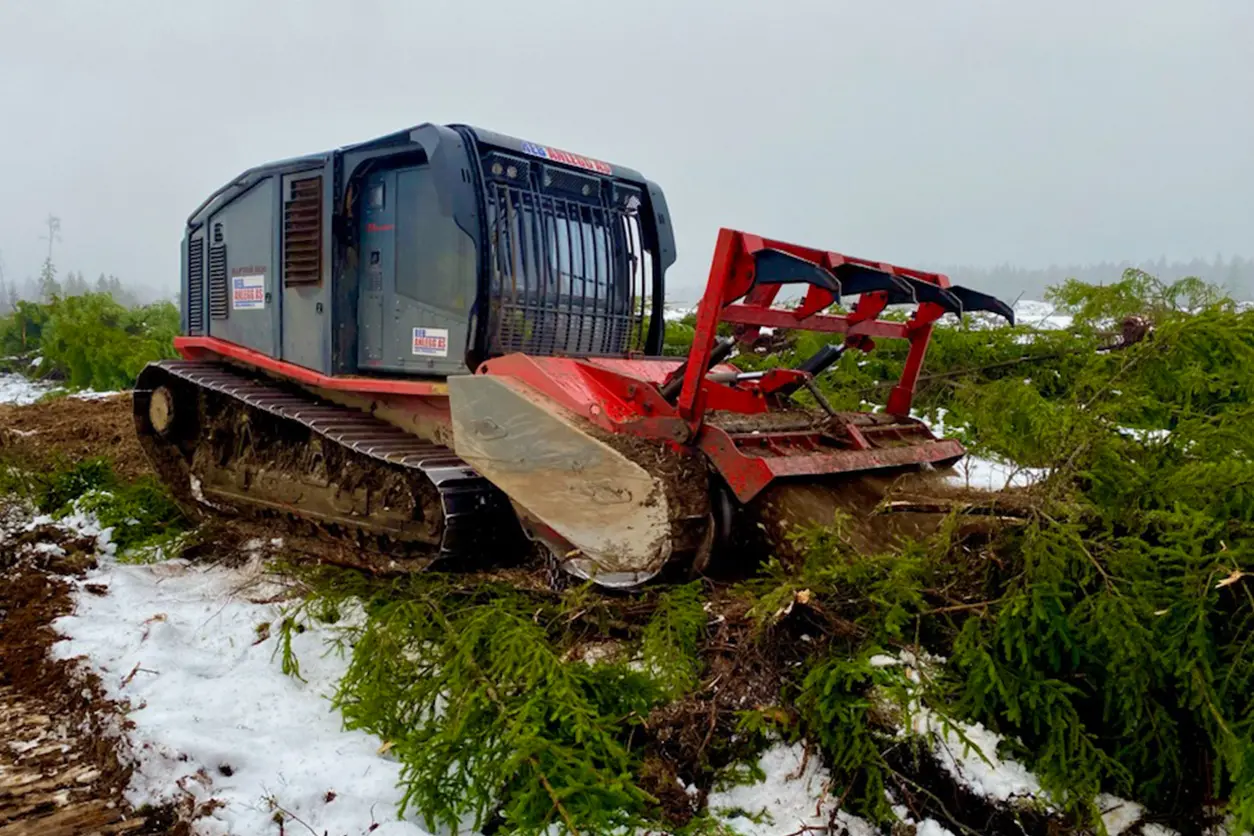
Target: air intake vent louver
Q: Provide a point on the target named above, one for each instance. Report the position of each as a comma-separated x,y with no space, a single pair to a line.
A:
302,233
218,308
196,286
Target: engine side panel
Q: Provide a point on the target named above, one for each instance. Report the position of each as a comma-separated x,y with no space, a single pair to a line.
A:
242,270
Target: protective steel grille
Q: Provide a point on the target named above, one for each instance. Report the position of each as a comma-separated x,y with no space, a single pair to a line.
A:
218,307
568,276
196,286
302,233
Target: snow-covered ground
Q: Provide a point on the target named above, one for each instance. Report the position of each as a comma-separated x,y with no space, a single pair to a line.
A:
792,797
988,474
675,311
795,796
1040,315
193,652
216,721
19,390
981,472
16,389
215,718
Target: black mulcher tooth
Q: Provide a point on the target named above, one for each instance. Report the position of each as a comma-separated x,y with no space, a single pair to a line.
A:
974,300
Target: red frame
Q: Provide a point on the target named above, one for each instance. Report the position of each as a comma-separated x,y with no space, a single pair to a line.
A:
208,348
750,463
731,279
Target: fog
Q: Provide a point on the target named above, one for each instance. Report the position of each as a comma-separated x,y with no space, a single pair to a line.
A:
970,132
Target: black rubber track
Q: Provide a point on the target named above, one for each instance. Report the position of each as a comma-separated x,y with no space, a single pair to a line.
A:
476,519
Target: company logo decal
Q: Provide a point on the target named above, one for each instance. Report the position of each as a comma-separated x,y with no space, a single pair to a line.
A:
567,158
431,342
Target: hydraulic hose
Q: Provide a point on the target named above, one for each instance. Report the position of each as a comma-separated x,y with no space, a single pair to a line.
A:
722,350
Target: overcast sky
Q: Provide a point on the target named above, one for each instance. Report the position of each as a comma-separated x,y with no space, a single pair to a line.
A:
915,131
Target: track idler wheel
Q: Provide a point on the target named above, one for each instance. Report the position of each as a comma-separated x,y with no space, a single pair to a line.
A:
161,410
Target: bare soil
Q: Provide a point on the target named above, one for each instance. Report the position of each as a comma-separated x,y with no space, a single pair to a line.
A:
71,429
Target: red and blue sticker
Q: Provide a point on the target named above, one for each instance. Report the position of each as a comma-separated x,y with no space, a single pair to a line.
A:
566,158
248,289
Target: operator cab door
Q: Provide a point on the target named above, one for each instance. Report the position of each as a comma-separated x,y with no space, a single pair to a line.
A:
417,277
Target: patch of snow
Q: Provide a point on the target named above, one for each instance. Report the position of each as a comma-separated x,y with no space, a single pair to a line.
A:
82,523
973,762
596,652
937,423
1040,315
199,494
967,751
675,311
927,827
792,798
1223,828
1117,814
214,716
1144,436
15,389
982,473
848,825
20,391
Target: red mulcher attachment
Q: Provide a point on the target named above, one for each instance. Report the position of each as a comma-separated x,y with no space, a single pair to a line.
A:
754,269
601,456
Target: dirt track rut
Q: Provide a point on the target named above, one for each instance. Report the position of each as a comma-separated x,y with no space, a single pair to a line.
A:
49,784
60,771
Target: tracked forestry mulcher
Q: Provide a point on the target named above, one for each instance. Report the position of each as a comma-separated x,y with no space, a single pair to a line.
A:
437,343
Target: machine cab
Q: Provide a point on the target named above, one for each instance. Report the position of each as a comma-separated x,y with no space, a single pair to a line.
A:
564,260
426,251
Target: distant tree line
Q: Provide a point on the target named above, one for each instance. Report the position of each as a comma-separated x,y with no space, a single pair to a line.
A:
49,286
75,283
1235,275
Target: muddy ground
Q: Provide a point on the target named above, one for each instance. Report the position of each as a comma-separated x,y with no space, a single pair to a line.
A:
71,429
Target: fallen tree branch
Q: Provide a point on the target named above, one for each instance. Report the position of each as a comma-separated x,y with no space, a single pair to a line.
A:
905,506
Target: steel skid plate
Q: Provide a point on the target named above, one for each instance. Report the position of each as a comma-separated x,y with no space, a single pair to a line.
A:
604,516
